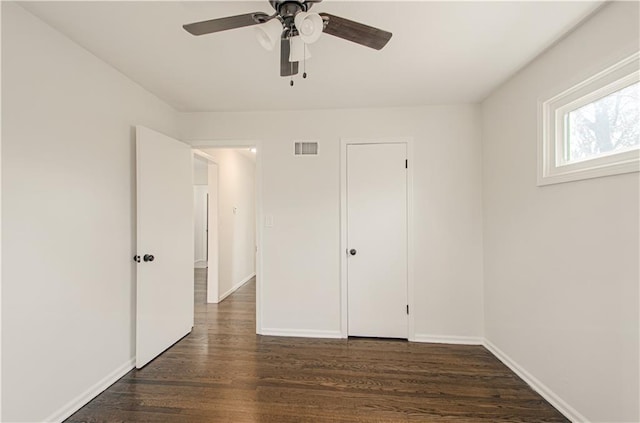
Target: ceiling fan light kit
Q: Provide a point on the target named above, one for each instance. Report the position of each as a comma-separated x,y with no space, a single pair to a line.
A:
269,33
295,27
309,26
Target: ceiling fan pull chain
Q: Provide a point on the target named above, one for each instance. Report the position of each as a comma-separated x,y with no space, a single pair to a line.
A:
291,66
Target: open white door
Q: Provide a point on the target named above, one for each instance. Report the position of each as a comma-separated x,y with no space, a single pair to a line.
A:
165,244
377,240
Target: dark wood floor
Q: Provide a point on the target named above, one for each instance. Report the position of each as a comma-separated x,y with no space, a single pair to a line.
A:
223,372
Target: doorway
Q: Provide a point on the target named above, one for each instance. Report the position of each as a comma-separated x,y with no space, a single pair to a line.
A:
231,232
205,217
201,210
376,220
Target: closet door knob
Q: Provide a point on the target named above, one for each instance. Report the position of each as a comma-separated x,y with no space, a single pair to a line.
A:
148,257
352,251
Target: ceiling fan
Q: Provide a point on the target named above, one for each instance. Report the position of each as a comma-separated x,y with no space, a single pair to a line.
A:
294,27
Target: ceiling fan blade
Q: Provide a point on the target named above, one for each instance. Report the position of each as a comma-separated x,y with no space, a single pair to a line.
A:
287,68
356,32
223,24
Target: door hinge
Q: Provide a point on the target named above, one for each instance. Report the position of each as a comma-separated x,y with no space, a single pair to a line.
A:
407,308
406,164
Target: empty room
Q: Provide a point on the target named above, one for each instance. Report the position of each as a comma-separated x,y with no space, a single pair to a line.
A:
320,211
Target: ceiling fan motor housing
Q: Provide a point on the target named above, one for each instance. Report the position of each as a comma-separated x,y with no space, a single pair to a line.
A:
286,12
286,8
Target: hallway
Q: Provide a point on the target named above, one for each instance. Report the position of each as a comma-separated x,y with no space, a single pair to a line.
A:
223,372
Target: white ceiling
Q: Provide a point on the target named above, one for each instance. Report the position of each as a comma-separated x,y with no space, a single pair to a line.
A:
440,53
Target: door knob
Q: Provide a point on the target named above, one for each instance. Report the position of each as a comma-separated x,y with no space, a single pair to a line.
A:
352,251
148,257
136,258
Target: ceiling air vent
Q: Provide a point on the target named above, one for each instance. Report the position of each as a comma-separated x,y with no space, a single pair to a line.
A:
305,148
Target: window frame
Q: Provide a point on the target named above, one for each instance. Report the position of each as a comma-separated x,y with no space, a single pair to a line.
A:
552,113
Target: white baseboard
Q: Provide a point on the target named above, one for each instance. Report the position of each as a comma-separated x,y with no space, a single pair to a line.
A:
302,333
445,339
553,399
236,286
82,399
200,264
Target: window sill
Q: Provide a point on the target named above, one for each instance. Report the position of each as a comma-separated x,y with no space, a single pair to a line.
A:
568,173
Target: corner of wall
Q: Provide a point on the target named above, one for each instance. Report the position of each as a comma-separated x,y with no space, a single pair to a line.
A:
481,139
555,400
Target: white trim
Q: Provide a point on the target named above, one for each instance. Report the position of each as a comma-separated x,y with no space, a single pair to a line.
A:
447,339
235,287
344,305
197,144
411,330
200,264
552,168
303,333
344,329
204,156
95,390
544,391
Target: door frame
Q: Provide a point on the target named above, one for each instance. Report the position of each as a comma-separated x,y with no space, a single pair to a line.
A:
212,285
344,304
257,144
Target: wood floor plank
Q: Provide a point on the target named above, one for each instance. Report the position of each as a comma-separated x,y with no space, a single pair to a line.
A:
223,372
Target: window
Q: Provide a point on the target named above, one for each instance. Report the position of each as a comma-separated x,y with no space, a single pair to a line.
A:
604,127
593,128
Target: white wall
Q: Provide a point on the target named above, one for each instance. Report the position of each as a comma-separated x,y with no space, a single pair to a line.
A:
300,276
213,291
561,261
68,217
200,171
236,229
200,193
0,231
